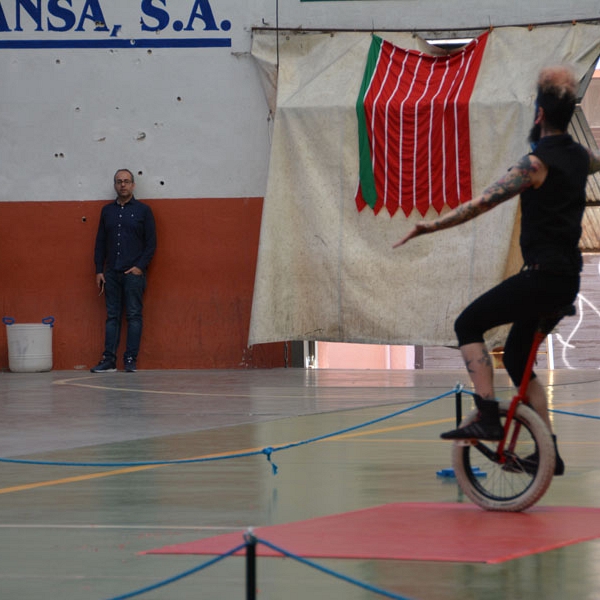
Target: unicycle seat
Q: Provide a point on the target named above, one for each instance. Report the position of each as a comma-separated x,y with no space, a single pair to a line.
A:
550,320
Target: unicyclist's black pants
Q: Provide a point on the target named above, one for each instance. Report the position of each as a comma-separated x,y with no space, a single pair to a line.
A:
519,300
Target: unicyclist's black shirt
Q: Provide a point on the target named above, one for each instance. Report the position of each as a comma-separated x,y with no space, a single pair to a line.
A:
551,214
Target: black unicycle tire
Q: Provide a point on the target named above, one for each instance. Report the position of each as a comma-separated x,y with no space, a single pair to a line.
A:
506,487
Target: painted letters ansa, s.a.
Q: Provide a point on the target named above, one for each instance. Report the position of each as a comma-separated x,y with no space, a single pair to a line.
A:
87,15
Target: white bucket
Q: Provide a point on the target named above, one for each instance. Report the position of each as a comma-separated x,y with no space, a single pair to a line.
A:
29,347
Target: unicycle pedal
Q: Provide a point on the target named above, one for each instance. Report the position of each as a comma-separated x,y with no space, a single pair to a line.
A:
472,442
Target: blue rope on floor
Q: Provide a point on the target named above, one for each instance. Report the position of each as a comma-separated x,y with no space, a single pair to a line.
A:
175,578
572,414
356,582
252,539
268,451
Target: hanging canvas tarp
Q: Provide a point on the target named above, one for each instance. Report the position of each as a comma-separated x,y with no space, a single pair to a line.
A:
327,271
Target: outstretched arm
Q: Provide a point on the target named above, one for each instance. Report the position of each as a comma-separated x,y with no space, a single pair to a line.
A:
528,172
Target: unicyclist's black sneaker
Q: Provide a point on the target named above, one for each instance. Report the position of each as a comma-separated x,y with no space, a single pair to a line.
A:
530,463
487,426
478,430
106,365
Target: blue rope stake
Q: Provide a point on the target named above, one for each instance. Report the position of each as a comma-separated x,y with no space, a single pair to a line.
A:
327,571
268,451
175,578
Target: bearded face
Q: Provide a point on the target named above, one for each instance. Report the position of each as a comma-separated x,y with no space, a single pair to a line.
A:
535,133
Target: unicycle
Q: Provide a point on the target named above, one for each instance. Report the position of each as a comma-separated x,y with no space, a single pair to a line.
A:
496,475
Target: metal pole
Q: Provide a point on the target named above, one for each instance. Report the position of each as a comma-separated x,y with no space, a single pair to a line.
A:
458,407
277,31
250,566
550,348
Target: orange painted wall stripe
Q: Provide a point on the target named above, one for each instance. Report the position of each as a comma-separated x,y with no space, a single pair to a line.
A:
200,283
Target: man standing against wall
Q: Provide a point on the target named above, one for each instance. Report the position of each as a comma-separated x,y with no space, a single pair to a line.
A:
125,245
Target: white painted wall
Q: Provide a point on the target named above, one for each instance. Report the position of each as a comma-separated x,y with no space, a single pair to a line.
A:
192,121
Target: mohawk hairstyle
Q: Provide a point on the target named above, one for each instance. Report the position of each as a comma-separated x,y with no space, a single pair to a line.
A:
557,95
560,79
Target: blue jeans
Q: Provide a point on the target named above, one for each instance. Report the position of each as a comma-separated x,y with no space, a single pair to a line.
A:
123,292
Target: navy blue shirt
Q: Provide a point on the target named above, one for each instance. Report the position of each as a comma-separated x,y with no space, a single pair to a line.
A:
126,237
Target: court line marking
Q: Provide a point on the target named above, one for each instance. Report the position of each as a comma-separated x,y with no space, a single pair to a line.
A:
387,398
565,404
122,471
391,396
64,480
67,382
389,429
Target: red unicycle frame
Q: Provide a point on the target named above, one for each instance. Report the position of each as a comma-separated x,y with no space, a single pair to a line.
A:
546,324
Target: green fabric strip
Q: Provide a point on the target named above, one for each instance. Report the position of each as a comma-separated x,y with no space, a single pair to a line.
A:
366,176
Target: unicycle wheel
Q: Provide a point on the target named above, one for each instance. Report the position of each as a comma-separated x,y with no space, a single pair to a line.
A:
508,485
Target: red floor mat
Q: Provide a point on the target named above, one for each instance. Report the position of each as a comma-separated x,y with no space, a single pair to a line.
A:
415,531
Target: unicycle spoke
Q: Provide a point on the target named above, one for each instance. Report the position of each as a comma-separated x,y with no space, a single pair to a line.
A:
501,483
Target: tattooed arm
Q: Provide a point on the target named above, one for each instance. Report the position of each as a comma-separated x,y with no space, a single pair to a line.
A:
530,171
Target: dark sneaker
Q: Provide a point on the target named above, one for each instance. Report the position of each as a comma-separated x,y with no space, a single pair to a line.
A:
559,466
478,430
106,365
130,365
530,464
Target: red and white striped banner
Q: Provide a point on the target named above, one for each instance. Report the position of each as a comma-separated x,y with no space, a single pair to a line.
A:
414,139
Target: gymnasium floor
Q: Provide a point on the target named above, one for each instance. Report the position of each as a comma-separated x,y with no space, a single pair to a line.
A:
77,532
